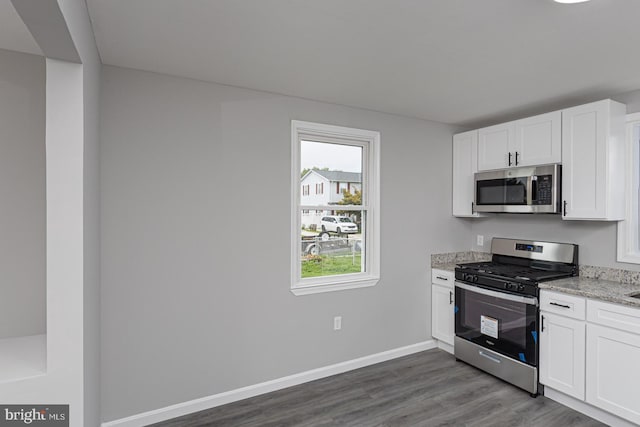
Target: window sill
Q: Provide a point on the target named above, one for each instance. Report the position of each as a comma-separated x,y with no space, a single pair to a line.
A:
299,290
629,258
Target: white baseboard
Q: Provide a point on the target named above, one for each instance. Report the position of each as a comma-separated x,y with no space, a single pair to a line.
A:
585,408
184,408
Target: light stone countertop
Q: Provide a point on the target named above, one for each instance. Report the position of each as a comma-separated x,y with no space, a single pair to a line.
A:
604,290
448,261
447,266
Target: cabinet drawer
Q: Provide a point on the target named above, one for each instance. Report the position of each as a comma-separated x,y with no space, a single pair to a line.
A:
563,304
442,277
614,315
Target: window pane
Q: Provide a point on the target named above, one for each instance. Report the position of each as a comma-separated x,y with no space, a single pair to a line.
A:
331,244
334,171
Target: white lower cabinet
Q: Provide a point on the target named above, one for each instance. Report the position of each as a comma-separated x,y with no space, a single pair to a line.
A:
562,354
442,304
613,371
593,358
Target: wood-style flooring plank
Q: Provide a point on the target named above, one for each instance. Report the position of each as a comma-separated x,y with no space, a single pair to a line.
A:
425,389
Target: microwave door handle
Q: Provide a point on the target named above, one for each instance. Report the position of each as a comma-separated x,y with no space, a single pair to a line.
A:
529,190
534,190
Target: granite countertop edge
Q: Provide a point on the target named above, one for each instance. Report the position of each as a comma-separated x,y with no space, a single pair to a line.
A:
448,261
447,266
597,289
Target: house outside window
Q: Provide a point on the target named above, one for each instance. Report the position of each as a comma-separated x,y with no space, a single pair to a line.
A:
336,246
629,229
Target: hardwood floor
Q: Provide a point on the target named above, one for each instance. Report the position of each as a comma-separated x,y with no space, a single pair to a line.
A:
423,389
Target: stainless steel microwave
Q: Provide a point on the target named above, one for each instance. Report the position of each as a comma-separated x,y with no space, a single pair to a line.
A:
534,189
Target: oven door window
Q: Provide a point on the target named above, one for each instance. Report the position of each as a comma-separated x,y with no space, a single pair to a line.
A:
504,191
508,327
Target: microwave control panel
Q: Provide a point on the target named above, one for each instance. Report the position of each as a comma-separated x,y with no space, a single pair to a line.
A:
544,190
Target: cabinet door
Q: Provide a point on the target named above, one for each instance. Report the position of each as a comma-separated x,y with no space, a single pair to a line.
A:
465,164
494,145
612,371
562,354
584,160
442,318
538,140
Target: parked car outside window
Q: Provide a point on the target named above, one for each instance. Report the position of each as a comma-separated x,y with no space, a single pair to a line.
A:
338,224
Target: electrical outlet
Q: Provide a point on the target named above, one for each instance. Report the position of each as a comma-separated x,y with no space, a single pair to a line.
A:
480,240
337,323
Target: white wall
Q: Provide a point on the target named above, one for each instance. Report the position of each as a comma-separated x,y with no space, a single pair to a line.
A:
22,191
597,239
195,296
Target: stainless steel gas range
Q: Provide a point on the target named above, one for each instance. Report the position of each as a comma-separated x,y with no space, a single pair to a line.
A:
497,307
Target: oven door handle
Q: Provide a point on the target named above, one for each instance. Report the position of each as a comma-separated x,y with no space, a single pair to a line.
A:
501,295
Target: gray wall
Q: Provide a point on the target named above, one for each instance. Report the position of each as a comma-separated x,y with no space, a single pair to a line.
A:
91,268
22,191
195,187
597,239
77,18
632,99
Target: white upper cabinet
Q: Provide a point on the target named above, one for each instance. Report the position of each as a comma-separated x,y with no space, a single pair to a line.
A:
465,164
538,140
526,142
592,161
495,145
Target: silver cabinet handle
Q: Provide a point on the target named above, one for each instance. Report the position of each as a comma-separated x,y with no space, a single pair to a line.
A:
559,305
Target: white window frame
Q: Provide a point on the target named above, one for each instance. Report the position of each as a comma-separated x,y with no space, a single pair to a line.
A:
370,141
628,244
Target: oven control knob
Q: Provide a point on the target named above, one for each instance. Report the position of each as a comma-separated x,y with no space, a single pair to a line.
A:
475,278
521,288
508,286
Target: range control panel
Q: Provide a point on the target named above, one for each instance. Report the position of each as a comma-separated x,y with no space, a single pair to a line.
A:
528,248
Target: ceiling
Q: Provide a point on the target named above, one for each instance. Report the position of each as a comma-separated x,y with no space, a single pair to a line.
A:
14,35
455,61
